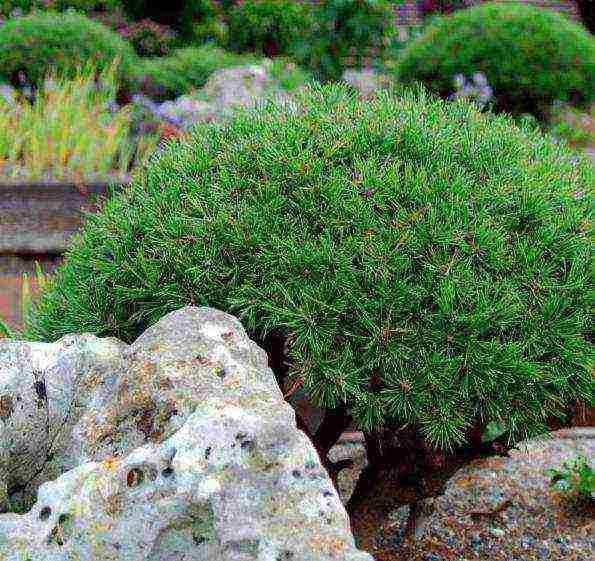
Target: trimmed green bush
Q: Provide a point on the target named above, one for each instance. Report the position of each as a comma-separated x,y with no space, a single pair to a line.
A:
347,34
183,71
62,42
530,56
268,27
426,264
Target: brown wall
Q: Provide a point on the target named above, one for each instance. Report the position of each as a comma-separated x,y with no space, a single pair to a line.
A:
36,224
11,269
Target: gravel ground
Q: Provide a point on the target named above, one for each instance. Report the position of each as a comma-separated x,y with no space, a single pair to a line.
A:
538,525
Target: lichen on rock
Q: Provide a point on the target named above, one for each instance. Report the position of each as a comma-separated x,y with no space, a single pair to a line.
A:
177,447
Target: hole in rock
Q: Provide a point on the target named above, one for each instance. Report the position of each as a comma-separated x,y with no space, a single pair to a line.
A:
167,472
134,477
45,513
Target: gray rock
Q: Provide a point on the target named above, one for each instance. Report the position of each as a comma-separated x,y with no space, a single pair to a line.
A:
366,81
243,86
178,447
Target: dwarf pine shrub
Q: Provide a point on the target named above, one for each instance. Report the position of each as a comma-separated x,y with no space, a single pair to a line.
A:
530,56
426,263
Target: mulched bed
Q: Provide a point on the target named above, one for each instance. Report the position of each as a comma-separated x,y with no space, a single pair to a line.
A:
499,509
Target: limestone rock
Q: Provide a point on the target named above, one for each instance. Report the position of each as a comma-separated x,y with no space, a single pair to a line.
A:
226,91
178,447
366,81
243,86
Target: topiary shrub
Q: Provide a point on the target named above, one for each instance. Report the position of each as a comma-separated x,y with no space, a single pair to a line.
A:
418,266
530,56
184,70
32,44
347,34
268,27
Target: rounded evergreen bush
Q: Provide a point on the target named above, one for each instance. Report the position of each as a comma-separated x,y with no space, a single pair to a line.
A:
426,265
529,55
36,43
268,27
347,34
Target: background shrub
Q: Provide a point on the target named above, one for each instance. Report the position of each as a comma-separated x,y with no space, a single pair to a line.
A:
424,263
267,27
181,15
7,7
182,71
347,34
529,55
32,44
575,127
210,30
149,38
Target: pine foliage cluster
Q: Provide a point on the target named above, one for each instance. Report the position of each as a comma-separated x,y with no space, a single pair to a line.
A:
427,263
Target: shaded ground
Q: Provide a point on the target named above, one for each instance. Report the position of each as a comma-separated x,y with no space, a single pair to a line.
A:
534,523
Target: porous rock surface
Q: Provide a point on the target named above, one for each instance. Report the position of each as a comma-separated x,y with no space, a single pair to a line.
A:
178,447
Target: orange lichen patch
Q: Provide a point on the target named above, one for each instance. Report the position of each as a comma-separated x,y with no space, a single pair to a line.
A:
111,464
141,398
93,381
6,407
123,390
149,367
113,504
328,543
96,432
228,337
165,384
205,361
